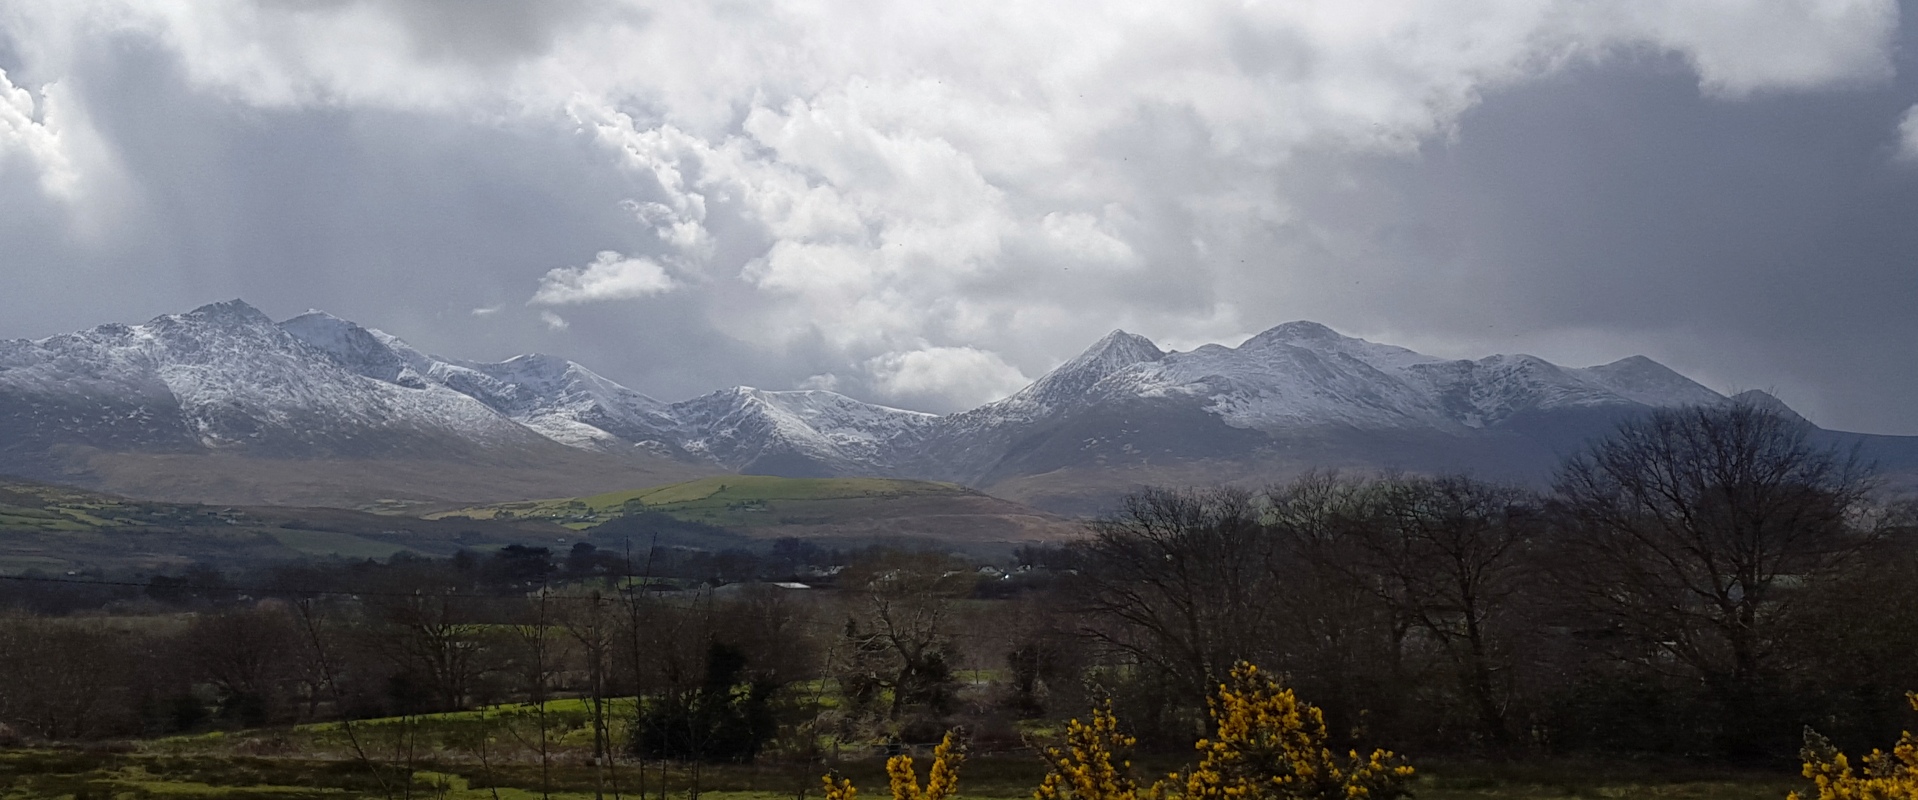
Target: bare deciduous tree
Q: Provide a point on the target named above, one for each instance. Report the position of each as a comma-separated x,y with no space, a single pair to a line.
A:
1686,529
1448,554
1182,577
250,657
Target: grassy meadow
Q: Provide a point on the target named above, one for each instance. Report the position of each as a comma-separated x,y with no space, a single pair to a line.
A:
726,501
846,510
495,752
247,766
56,529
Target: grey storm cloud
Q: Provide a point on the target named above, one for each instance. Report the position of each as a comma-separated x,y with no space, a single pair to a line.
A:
927,206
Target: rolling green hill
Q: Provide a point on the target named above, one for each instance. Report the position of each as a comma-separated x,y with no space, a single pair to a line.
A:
765,507
56,528
727,500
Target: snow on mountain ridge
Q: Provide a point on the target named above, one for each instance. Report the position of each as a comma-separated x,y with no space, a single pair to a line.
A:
744,426
1304,374
1297,374
554,397
1069,383
1646,381
236,377
362,350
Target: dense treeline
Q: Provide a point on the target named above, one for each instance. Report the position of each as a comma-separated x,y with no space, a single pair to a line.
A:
509,571
721,666
1703,581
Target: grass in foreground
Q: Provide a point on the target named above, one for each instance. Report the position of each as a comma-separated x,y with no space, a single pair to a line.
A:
138,775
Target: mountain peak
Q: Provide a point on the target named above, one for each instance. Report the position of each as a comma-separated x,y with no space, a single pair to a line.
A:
1300,333
1643,380
1300,330
1118,347
360,349
236,310
1069,382
315,318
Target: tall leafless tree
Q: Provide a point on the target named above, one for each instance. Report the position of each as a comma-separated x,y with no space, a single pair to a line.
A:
1449,554
1685,531
1178,581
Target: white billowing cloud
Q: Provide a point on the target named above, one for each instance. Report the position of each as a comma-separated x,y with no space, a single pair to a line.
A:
486,311
611,276
554,321
679,228
267,54
31,132
1086,239
966,376
862,229
1739,48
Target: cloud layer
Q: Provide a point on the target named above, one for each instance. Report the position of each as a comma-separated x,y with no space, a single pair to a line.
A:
611,276
928,205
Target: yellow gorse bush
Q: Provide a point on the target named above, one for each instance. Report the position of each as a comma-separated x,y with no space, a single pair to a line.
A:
841,789
1269,746
1886,776
1085,768
941,784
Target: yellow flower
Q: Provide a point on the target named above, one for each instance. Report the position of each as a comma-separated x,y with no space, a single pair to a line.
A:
1270,745
941,784
840,790
1886,776
1092,765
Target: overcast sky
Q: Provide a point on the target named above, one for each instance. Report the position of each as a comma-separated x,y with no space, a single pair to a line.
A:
928,206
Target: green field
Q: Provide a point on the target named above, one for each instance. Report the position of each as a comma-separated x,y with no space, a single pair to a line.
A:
145,772
728,501
495,753
30,507
56,528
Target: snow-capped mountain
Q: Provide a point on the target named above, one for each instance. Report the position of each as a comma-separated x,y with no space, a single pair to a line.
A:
806,433
1298,395
791,432
225,378
1305,375
550,396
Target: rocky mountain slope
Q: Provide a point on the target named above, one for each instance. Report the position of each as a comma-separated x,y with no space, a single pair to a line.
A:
221,404
225,382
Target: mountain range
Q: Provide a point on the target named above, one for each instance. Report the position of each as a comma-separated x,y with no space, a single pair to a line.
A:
223,404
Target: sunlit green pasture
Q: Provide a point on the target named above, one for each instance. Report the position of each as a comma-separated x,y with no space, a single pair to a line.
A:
726,500
496,752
